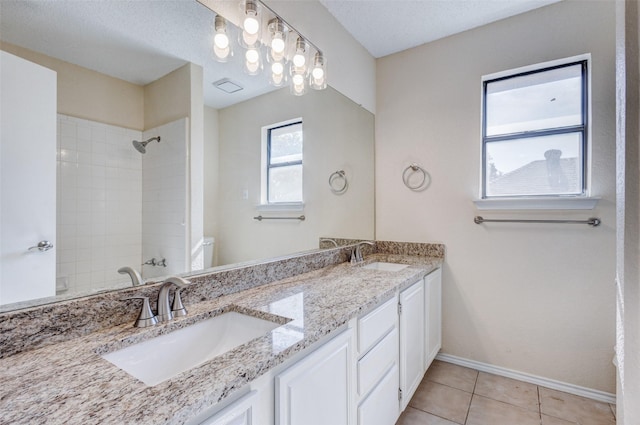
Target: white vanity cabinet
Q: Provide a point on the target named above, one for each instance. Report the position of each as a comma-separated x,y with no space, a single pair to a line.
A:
433,315
366,375
378,368
318,390
412,335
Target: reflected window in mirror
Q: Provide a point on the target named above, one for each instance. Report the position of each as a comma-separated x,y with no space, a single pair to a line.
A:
282,165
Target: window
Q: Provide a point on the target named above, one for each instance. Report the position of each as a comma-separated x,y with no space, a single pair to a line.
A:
534,132
282,176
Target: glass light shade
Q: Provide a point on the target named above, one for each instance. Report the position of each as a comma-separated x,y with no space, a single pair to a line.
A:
277,74
249,34
299,58
253,61
221,42
298,82
251,17
278,39
318,74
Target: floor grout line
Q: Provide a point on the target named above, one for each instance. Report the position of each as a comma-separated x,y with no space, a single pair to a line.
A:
539,403
473,393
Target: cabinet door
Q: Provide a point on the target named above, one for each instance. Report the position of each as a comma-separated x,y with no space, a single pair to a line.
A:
433,304
318,390
238,413
412,331
381,407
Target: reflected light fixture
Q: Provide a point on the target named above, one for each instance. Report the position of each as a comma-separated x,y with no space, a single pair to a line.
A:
253,62
318,74
300,56
250,23
221,42
298,81
263,36
277,74
278,42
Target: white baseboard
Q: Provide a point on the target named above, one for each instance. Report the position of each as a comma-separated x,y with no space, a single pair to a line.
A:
525,377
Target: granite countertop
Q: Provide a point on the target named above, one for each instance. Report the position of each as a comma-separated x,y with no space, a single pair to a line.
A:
69,382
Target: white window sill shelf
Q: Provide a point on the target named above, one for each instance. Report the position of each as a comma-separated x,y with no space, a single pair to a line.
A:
578,203
293,206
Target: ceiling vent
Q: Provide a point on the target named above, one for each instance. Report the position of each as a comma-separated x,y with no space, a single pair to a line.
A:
227,86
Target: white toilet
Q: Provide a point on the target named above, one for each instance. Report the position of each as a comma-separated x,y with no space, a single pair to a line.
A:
208,245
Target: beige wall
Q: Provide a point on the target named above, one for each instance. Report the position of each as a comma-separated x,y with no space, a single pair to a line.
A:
538,299
168,98
88,94
338,134
628,210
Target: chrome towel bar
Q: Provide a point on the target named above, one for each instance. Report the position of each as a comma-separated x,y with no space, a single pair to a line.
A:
591,222
260,218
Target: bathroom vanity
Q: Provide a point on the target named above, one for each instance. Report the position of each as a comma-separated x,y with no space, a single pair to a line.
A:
352,337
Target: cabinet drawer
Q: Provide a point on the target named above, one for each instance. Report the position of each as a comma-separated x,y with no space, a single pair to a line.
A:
373,366
375,325
381,407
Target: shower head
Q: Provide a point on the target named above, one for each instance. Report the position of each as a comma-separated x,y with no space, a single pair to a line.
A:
141,146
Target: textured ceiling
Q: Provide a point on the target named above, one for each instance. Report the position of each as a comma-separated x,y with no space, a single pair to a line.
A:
143,40
390,26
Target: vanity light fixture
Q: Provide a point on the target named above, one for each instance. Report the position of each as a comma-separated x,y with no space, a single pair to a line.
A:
263,36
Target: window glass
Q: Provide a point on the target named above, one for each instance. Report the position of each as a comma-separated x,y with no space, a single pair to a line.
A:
548,99
546,165
286,144
534,133
285,184
284,163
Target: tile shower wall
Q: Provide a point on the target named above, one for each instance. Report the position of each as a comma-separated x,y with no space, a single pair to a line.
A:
99,204
165,200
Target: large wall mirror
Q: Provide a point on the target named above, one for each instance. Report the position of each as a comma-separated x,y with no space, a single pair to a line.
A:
185,194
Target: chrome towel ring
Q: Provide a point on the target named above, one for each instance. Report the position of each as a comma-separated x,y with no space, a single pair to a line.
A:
422,183
338,182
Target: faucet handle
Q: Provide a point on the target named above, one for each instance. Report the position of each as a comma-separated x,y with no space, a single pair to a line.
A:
178,308
146,316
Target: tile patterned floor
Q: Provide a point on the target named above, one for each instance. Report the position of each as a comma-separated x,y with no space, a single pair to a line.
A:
456,395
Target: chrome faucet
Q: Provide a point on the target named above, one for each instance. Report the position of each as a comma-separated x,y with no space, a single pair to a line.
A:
165,311
136,279
356,252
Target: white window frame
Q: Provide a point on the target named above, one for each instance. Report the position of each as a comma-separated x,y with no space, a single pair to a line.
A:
265,205
569,202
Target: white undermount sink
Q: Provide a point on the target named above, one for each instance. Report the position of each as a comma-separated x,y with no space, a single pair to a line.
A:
387,267
158,359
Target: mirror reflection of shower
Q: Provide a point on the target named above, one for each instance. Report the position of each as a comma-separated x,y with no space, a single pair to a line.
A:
142,146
